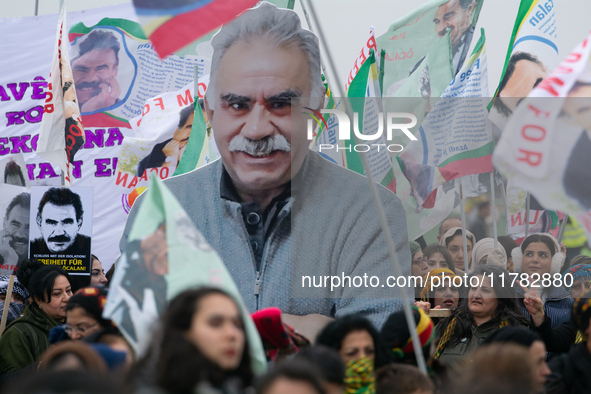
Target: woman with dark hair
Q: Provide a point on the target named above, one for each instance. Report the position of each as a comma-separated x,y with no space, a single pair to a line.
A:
26,338
202,343
539,257
442,289
452,240
354,336
437,256
488,307
84,313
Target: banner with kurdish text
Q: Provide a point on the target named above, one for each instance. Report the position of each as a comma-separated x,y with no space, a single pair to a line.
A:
23,93
545,145
159,140
455,138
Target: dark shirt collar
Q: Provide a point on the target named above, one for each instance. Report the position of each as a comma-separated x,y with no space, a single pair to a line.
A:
228,189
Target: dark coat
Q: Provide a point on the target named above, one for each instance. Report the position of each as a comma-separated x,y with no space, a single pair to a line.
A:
570,372
25,339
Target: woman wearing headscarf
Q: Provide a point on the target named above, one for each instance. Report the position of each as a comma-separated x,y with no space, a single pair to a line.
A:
18,300
360,347
442,289
539,257
570,372
485,253
452,240
488,307
580,283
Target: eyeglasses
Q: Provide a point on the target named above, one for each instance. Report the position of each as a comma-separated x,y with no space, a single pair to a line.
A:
69,329
420,261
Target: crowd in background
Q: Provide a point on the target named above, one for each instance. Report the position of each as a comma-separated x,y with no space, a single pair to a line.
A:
497,339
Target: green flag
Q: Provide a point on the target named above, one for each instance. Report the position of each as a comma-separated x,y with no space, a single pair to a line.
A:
198,152
166,255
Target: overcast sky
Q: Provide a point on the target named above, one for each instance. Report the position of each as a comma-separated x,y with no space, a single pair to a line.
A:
346,23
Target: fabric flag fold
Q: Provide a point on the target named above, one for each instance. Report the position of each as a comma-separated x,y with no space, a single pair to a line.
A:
455,138
61,134
171,25
166,255
545,145
198,152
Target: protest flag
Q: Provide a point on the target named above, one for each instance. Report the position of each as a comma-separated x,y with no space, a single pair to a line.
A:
545,145
534,42
455,139
166,255
171,25
533,39
62,133
366,101
196,153
410,38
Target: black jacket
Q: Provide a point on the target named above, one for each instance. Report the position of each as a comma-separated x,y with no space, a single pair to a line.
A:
570,372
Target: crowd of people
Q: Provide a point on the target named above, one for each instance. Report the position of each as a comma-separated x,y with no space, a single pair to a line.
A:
491,316
496,339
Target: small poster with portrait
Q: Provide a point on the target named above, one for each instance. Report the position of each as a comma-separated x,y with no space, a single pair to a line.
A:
15,203
61,227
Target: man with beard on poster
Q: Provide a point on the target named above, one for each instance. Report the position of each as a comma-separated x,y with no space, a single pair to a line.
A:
169,152
59,217
456,15
276,212
95,71
14,237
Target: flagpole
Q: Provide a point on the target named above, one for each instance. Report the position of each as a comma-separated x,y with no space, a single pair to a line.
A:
562,228
464,239
36,7
494,208
527,215
312,30
7,304
410,321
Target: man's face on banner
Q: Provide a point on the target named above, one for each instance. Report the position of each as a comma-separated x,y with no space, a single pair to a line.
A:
94,74
452,15
527,75
16,226
59,226
155,251
255,84
183,133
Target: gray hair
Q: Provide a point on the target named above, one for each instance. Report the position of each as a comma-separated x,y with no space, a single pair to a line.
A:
280,27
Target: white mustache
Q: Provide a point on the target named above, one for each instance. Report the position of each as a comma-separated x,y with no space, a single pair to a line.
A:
259,148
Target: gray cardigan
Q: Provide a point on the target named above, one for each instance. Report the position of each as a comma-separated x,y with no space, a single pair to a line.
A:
328,227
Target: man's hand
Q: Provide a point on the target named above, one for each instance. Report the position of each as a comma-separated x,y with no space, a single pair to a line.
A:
6,251
110,92
307,325
535,306
172,151
425,306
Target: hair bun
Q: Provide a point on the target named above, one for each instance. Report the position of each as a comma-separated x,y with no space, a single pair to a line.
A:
26,269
